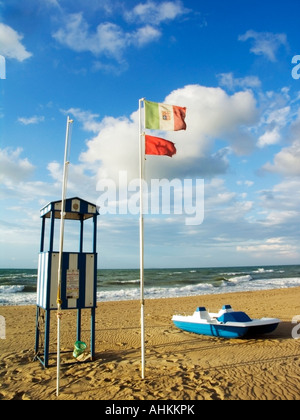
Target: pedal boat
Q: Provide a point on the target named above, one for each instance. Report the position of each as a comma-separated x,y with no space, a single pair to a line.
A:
227,323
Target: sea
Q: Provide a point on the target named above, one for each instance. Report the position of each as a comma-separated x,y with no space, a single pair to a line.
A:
18,286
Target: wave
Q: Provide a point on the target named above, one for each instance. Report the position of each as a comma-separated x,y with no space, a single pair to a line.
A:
240,279
263,270
29,276
233,273
16,295
17,299
219,279
240,283
11,289
19,287
130,281
119,282
155,292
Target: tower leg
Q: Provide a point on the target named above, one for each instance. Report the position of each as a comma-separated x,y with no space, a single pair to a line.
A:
47,336
93,317
78,324
37,332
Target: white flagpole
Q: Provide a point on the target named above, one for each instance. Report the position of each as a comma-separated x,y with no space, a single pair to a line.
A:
61,244
142,161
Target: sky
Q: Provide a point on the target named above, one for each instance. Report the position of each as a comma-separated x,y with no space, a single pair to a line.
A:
234,64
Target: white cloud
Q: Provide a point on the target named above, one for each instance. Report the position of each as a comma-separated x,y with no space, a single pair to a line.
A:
278,116
229,81
269,138
287,161
87,118
16,184
246,183
52,3
108,39
211,114
279,247
76,34
225,207
156,13
55,171
145,35
13,167
106,7
79,179
112,40
281,206
115,148
10,44
270,231
31,120
276,120
109,68
265,43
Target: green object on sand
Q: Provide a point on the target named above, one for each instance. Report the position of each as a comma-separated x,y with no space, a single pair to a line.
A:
79,348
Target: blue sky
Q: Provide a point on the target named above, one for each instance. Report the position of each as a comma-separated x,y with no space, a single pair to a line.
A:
228,61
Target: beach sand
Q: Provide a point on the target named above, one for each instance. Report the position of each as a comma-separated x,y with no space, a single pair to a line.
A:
179,365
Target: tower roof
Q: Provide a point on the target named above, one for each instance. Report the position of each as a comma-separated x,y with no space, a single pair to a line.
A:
75,209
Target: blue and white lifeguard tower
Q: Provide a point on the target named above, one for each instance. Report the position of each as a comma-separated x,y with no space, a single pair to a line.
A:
78,273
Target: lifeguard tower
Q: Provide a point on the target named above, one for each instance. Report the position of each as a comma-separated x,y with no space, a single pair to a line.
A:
79,273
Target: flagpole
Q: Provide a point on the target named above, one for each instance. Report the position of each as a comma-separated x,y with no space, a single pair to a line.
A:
142,299
61,244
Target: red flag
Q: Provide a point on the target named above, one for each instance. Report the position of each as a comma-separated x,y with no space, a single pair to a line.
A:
159,146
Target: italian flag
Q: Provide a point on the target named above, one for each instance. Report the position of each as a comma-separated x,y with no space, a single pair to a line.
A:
164,117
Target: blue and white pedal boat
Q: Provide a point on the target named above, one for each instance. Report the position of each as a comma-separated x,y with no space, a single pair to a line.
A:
227,323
